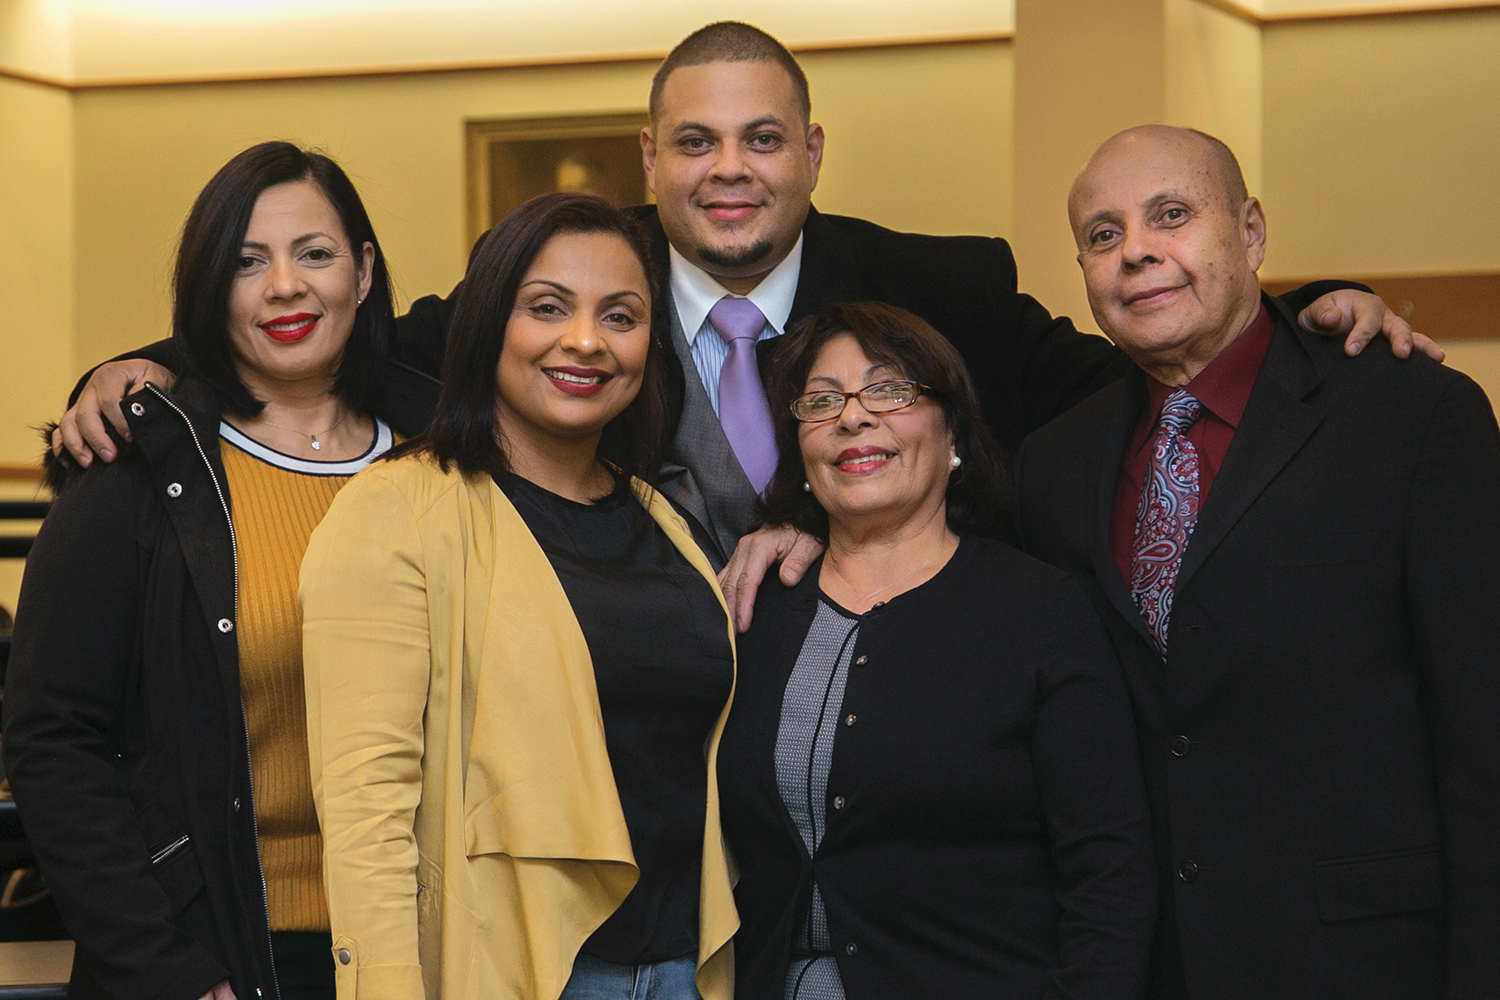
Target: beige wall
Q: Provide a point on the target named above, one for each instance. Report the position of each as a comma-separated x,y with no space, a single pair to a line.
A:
173,39
1382,152
1382,144
36,260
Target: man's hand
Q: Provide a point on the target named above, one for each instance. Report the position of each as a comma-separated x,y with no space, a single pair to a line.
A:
1363,316
221,991
754,555
81,430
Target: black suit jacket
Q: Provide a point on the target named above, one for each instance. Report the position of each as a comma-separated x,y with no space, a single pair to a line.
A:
1321,743
993,840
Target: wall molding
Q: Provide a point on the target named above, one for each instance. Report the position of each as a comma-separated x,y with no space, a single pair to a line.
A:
1262,18
50,82
1453,306
11,472
600,59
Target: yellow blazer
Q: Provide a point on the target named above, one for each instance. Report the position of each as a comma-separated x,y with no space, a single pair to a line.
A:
473,832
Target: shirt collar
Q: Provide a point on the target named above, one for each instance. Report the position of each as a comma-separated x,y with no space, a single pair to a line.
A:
1223,387
694,292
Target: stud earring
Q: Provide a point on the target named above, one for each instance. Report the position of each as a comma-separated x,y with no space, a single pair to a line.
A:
955,461
806,486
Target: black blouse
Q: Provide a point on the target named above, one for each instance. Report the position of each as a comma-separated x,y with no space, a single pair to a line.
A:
662,662
986,827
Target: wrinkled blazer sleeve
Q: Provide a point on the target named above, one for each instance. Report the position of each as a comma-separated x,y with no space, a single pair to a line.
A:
365,650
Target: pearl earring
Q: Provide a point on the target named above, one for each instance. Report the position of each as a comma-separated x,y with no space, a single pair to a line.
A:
806,486
955,461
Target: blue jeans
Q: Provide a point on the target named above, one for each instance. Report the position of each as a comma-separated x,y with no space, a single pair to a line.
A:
595,979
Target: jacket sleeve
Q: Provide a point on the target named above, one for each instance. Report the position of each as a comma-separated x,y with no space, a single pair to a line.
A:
366,662
162,352
1088,773
1453,593
76,657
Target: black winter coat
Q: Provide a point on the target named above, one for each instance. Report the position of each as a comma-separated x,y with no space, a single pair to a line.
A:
124,735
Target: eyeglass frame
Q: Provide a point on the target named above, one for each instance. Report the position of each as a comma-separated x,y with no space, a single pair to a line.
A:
922,390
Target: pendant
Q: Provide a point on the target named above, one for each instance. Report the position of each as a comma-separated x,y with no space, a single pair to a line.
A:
316,446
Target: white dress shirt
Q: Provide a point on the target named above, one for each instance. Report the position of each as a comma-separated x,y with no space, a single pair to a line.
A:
694,292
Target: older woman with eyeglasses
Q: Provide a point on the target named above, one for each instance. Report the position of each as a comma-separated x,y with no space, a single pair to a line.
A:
930,776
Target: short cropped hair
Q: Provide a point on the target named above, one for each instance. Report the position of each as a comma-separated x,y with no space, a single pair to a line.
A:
978,491
209,253
1233,179
730,41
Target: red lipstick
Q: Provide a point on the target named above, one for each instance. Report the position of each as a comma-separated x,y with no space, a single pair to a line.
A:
577,381
290,329
875,457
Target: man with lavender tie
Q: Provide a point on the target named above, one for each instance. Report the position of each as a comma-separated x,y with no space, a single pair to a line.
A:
1297,556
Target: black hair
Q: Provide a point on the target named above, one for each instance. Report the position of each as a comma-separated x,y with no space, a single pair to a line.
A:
464,426
207,259
977,494
730,41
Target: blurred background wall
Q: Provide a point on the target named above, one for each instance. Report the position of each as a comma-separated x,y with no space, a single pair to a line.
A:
1371,131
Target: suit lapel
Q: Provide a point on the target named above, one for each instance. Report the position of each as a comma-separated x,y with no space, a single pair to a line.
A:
829,271
1276,424
1132,390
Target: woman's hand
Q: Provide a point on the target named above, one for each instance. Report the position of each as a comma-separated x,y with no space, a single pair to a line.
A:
754,556
81,430
219,992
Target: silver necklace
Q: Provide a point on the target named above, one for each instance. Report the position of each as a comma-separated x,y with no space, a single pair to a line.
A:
315,444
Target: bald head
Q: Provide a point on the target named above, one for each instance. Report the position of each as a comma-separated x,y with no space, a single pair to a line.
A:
1223,166
1169,244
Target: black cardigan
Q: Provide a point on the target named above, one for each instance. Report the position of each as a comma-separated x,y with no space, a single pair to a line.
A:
995,840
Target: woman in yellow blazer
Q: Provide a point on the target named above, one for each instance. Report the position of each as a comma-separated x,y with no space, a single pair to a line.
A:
518,663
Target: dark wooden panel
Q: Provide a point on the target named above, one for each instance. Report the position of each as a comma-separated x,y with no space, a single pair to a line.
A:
1443,306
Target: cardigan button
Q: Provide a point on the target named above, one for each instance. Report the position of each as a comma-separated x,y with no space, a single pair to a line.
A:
851,948
225,625
1181,746
138,409
236,803
344,956
861,660
850,719
838,802
1188,872
174,491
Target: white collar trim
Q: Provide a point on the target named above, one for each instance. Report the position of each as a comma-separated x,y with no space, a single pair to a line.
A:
307,467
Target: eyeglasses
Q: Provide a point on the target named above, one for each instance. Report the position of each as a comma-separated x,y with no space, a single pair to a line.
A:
878,397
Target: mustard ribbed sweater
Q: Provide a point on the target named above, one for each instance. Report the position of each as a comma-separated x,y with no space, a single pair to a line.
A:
275,512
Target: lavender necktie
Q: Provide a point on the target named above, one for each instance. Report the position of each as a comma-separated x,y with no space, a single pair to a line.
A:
743,411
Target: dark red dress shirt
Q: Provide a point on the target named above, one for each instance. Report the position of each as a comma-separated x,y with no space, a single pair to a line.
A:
1223,388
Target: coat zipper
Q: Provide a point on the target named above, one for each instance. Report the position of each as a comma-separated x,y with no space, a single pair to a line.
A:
234,552
169,850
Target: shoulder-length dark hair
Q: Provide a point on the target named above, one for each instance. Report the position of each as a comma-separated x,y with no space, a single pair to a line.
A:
464,427
977,492
209,252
